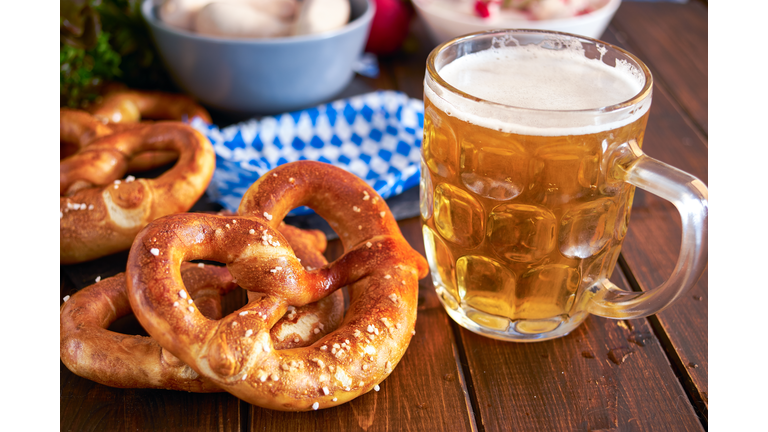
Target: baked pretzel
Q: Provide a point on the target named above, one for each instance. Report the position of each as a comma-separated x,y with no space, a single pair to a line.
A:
120,109
378,265
101,214
79,128
130,106
91,351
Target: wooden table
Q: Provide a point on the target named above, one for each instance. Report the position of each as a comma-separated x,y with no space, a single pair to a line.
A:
638,375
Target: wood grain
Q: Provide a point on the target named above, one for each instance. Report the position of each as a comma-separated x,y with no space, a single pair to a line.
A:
607,375
672,39
653,241
88,406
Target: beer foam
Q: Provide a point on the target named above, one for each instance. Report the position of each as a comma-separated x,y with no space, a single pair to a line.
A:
537,78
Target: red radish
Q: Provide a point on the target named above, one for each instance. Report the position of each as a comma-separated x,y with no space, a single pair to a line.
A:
390,26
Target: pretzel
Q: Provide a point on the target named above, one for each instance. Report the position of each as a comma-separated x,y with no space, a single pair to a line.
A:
130,106
120,109
100,214
91,351
79,128
378,265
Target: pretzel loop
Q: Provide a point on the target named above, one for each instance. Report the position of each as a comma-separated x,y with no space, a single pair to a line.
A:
379,266
101,214
79,128
130,106
91,350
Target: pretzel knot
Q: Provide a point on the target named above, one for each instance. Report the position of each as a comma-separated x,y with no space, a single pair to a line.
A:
92,351
379,267
101,214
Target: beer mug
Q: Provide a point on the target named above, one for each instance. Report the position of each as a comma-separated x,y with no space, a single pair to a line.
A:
530,159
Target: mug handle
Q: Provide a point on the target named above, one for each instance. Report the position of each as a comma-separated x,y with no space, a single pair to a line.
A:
629,164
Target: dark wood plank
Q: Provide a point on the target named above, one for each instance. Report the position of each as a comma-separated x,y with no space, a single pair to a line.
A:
607,375
88,406
653,240
672,39
651,258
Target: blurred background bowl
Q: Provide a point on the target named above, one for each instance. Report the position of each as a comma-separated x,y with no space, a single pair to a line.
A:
444,24
262,76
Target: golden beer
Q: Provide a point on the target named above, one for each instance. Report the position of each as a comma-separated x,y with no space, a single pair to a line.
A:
520,220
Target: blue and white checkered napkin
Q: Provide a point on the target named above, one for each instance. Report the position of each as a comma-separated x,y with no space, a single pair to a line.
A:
375,135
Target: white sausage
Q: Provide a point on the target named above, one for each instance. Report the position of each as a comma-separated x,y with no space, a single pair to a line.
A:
284,9
181,13
317,16
240,20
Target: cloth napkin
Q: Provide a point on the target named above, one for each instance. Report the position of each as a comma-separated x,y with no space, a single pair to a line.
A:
376,136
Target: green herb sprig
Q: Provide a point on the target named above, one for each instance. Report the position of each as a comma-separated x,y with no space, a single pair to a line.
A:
91,58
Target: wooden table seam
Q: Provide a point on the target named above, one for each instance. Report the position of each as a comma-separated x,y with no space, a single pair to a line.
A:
673,357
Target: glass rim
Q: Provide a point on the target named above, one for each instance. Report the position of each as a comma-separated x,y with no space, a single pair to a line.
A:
634,100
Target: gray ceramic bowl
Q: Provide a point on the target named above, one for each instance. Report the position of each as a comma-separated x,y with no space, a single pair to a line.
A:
262,76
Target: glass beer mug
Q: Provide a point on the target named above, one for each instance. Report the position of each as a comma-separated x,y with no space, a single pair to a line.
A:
530,159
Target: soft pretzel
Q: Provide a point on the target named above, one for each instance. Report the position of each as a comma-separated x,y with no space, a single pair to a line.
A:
89,350
101,214
379,266
130,106
122,108
79,128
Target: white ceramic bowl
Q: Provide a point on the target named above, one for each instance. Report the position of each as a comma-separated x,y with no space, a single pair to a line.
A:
262,76
445,24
